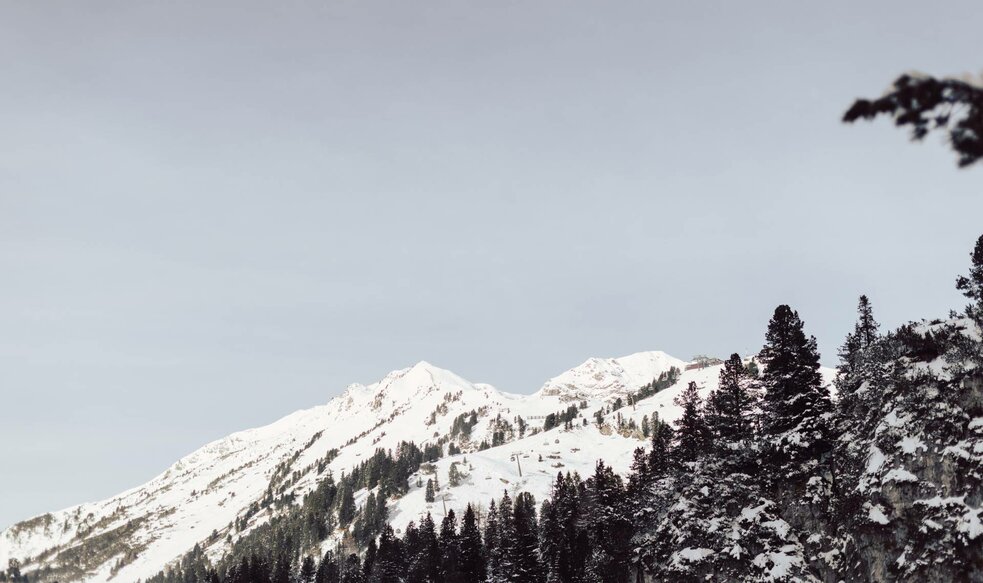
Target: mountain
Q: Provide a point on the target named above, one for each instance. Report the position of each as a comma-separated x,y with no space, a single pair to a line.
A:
216,495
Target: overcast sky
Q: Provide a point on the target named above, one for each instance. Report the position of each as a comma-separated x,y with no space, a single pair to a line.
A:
213,214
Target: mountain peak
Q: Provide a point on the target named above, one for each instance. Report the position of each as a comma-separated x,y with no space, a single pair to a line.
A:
610,378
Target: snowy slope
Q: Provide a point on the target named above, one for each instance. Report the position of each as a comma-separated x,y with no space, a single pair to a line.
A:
134,534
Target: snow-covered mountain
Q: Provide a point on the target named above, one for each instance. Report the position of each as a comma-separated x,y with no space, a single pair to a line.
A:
197,500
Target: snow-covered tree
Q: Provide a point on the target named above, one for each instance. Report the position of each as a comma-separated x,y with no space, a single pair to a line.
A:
692,433
796,405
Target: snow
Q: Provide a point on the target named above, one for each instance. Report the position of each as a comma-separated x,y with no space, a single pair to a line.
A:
875,460
779,565
899,475
911,444
690,555
210,488
876,514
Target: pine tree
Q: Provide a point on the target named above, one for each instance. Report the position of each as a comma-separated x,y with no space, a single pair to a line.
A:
430,494
692,433
346,504
471,551
563,541
352,571
307,570
610,527
527,566
371,553
449,549
425,565
549,539
925,103
327,569
281,569
731,409
796,403
390,564
972,285
862,359
492,544
660,454
640,477
507,548
855,365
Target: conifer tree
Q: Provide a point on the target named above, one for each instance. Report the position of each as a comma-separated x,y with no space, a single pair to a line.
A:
660,454
368,563
281,569
610,527
390,564
692,433
639,478
730,409
855,364
307,570
327,569
796,403
427,560
430,494
972,285
449,549
346,504
352,571
471,551
527,564
565,553
507,548
492,548
549,541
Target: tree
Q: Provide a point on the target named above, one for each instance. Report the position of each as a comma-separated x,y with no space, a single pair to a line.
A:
471,552
327,570
346,504
926,104
352,571
730,410
450,559
858,360
307,570
610,527
390,564
563,539
425,561
507,544
639,477
692,433
430,494
281,569
972,285
549,539
660,454
492,544
454,475
796,403
527,567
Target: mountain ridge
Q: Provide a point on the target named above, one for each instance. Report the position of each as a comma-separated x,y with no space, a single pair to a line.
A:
209,488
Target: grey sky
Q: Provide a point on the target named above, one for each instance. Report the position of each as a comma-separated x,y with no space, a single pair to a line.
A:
212,214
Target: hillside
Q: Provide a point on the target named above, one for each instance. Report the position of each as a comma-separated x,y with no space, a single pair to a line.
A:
210,497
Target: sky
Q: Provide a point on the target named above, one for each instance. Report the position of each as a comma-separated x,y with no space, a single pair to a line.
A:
215,213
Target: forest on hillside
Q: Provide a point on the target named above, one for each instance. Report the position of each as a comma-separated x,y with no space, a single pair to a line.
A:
773,477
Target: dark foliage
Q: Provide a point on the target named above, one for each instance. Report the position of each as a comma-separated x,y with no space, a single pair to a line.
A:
926,104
